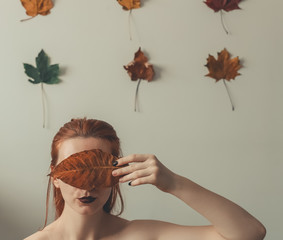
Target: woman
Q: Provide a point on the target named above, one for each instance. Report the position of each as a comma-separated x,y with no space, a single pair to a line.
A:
87,215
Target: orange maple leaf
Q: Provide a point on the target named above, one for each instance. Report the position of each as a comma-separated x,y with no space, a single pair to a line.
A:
129,4
224,67
35,7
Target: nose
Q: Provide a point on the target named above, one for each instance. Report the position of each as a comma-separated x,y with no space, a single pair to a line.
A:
84,192
87,192
93,189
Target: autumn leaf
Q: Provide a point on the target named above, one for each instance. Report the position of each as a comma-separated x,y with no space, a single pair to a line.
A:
42,73
226,5
220,5
139,69
223,68
87,170
129,4
35,7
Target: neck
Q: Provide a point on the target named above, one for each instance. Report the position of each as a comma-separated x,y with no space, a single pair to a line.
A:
77,226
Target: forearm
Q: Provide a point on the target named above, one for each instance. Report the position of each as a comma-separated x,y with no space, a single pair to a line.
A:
229,220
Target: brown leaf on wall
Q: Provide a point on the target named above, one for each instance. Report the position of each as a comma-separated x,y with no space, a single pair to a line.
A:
139,68
35,7
129,4
223,5
223,67
87,170
227,5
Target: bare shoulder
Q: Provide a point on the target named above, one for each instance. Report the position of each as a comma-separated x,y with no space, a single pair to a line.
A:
44,234
40,235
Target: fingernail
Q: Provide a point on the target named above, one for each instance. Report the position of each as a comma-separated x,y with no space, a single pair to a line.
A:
115,163
130,183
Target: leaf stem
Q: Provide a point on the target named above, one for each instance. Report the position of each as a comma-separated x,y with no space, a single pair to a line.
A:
23,20
43,104
129,21
136,96
233,108
222,22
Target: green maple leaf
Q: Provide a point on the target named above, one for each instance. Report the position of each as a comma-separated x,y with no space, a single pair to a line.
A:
43,72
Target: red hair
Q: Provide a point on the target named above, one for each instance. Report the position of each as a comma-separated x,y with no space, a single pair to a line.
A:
83,128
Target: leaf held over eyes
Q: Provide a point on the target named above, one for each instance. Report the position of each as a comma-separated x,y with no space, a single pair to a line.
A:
35,7
139,68
224,67
227,5
87,170
129,4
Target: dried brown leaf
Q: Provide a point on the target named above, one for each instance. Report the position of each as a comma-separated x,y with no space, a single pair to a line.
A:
129,4
227,5
139,68
223,67
35,7
87,170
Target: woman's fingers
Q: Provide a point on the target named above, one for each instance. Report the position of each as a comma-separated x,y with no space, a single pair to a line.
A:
126,170
139,161
135,175
133,158
143,180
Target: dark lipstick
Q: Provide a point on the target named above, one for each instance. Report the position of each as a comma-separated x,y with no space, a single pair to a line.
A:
89,199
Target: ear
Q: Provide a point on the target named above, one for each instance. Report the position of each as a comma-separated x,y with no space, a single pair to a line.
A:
56,182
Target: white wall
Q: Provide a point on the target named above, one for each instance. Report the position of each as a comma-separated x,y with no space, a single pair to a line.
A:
185,118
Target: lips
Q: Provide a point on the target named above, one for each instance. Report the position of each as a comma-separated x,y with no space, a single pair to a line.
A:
87,200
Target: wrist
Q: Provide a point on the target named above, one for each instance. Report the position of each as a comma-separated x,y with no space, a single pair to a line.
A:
184,188
175,184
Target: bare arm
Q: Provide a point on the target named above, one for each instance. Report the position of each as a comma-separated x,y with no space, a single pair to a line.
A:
229,221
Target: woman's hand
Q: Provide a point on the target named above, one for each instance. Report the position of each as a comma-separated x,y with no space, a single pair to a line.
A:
144,169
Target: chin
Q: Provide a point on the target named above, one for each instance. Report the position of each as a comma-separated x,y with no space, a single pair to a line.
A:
88,210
